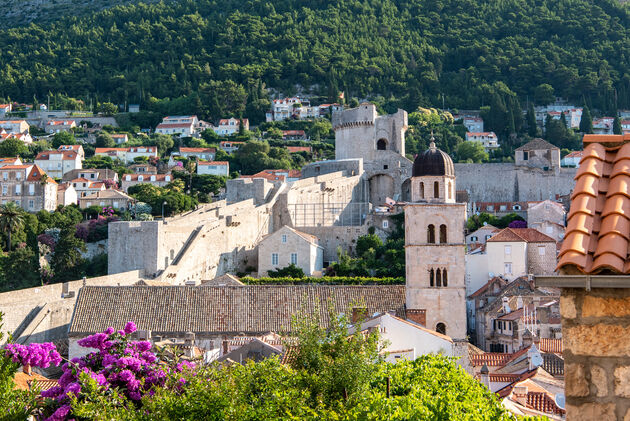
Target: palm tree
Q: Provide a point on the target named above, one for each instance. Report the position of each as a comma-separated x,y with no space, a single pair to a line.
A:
11,220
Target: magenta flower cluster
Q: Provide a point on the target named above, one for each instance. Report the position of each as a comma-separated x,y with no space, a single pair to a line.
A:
34,355
118,363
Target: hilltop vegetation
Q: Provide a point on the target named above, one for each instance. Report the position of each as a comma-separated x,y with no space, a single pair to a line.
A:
214,57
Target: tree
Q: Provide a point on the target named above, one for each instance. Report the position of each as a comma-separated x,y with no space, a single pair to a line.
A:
11,220
367,242
63,138
104,140
107,108
13,147
586,122
163,142
532,127
67,262
544,94
471,151
617,126
291,271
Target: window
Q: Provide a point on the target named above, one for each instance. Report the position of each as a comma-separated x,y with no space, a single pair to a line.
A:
502,207
421,190
274,259
432,278
140,178
385,224
490,207
5,190
115,205
18,175
5,176
508,250
525,156
508,268
294,258
438,278
18,189
450,190
443,239
284,238
431,234
474,239
488,236
541,250
381,144
440,328
436,190
444,278
31,204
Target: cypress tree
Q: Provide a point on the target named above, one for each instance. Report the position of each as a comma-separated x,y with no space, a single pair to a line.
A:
617,126
532,129
586,122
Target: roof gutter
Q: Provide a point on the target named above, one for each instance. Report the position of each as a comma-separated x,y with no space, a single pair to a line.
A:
583,281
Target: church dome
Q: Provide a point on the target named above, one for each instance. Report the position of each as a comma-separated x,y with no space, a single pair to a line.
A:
433,162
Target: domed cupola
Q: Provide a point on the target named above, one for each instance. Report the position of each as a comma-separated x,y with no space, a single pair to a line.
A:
433,162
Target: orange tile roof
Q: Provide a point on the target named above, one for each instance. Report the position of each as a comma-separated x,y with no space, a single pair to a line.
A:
213,163
66,155
491,359
105,150
195,150
487,285
542,402
25,381
551,345
574,154
37,175
598,229
529,235
17,167
295,149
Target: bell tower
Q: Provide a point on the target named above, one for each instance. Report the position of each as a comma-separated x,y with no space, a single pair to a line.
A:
435,246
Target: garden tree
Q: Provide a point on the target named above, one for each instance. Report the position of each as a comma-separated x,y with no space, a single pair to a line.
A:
19,269
532,127
586,122
107,108
176,200
66,262
273,133
477,221
13,147
291,271
104,140
36,147
471,151
63,138
163,143
11,220
203,185
544,94
367,242
210,136
99,161
555,131
617,125
225,98
321,129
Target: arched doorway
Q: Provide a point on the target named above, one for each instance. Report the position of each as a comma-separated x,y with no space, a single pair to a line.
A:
381,144
440,328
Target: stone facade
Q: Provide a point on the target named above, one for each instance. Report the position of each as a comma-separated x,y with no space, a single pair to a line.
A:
597,353
287,246
547,217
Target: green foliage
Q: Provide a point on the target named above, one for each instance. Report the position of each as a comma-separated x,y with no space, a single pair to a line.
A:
176,200
290,272
67,262
326,280
107,108
532,127
617,129
63,138
477,221
201,186
11,220
544,94
13,147
98,161
586,123
471,151
104,140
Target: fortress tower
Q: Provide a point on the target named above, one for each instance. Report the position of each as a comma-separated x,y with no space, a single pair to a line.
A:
435,246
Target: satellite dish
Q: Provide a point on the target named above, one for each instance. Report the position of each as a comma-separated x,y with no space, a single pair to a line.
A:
560,400
485,223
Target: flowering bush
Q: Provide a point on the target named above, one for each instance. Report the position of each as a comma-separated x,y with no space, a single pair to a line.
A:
48,240
34,355
119,366
517,224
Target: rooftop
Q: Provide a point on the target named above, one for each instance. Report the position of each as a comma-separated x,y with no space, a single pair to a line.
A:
536,145
528,235
598,224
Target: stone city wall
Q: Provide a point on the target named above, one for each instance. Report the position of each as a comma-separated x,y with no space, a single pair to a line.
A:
507,182
595,332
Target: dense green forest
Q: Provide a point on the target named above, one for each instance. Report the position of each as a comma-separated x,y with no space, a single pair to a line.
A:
215,57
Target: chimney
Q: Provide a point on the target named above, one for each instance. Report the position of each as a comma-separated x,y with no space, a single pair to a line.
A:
358,314
27,369
485,376
417,316
226,347
519,395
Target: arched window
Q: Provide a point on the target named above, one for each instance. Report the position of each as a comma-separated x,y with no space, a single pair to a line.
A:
440,328
431,234
438,278
381,144
444,278
436,190
421,190
450,190
432,278
443,239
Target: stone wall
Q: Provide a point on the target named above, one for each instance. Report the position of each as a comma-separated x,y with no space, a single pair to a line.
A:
507,182
541,264
42,314
595,331
240,189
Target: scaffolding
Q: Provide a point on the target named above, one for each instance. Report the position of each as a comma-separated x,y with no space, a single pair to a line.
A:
328,214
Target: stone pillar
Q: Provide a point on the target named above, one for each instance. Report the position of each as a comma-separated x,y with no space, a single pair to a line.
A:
596,337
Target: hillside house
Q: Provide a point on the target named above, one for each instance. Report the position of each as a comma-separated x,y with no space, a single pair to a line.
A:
206,154
66,195
489,140
572,159
15,126
127,155
120,138
229,126
230,147
221,168
473,124
10,161
288,246
603,125
107,198
539,154
158,180
547,217
4,109
29,187
184,126
293,135
58,163
58,126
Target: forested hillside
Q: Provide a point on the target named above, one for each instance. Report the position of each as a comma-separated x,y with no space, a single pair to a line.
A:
216,55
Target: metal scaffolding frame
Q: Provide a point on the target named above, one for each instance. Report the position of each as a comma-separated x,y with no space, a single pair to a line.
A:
328,214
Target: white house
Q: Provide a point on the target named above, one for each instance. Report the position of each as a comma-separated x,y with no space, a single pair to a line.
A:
206,154
57,163
159,180
228,126
625,126
230,147
10,161
405,339
58,126
603,125
184,126
76,148
572,159
127,154
473,124
221,168
66,195
288,246
120,138
489,140
85,187
14,126
23,137
4,109
481,235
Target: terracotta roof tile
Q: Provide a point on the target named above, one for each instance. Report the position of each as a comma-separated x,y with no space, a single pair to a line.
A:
550,345
598,229
529,235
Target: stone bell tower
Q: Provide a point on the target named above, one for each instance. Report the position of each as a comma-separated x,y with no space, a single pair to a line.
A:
435,246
